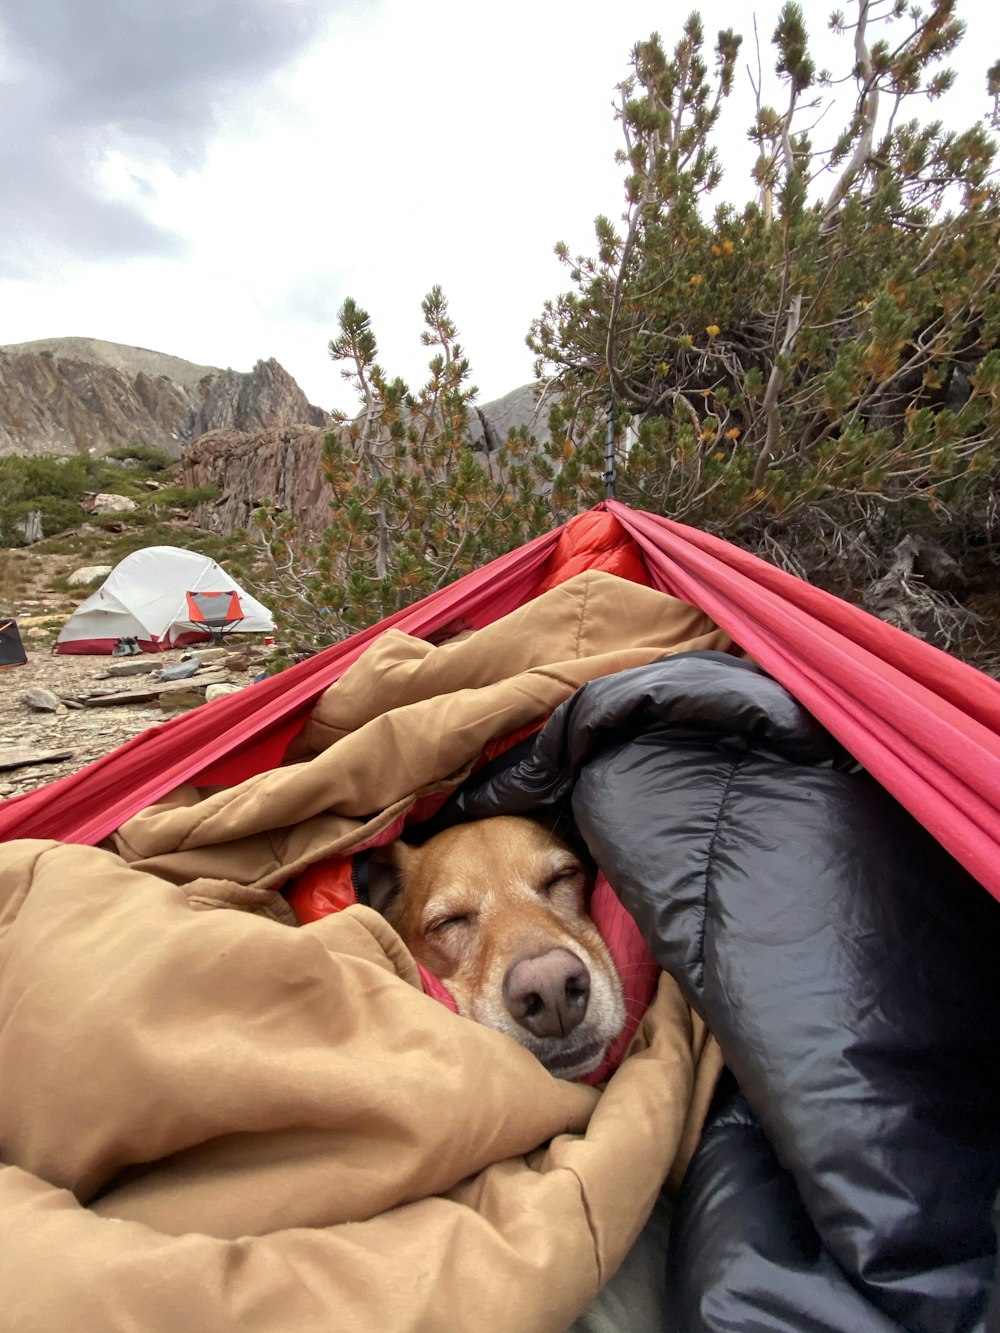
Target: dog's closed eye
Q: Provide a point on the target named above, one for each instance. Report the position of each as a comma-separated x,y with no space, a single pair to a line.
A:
567,876
496,908
440,924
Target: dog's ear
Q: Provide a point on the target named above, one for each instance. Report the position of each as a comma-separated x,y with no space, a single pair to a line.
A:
386,875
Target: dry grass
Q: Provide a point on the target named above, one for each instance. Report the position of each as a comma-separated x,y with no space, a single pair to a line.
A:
14,579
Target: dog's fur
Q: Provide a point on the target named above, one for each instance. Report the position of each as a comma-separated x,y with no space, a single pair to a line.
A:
496,909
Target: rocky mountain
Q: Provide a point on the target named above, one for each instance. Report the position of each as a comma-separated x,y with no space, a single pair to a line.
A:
282,465
61,396
520,407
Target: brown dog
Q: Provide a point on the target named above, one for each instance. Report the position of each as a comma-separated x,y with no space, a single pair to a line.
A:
495,908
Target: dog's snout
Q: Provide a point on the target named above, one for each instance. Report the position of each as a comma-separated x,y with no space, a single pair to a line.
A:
548,995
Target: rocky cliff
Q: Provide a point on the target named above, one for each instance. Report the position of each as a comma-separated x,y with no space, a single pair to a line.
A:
282,466
61,396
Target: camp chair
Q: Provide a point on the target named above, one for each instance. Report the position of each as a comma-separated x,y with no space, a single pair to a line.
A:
11,648
218,612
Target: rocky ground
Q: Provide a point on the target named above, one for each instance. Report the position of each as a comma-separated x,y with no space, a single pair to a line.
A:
55,713
59,713
51,722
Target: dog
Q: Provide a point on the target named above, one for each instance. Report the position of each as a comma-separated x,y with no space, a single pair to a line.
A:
496,909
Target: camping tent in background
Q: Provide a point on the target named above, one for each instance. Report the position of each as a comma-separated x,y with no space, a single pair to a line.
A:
11,648
146,597
925,725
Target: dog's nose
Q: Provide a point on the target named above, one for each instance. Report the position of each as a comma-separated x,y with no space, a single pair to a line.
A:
548,995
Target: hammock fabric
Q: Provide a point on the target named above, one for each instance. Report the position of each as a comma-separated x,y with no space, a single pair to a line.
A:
925,725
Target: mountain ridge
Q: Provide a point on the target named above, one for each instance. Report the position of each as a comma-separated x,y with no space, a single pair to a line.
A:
60,396
119,356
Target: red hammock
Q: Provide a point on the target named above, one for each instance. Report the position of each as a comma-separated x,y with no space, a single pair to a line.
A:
922,723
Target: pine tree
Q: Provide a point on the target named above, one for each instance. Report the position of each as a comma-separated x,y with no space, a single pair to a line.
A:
823,356
413,505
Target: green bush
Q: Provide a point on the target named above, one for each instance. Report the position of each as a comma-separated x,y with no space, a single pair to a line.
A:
181,497
56,487
154,460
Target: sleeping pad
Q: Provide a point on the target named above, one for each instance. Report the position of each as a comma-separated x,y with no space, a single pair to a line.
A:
846,965
212,1118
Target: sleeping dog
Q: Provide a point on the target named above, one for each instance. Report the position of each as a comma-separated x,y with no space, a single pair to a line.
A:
496,909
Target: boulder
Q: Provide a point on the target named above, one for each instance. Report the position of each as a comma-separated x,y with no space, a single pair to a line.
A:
108,503
40,700
220,692
30,527
88,574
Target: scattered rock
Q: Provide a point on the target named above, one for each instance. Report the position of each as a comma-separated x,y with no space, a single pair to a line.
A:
22,757
180,697
180,670
88,574
154,691
105,502
134,667
41,700
220,691
30,527
83,732
239,662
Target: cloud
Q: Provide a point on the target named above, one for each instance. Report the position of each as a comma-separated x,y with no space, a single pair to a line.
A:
307,300
81,82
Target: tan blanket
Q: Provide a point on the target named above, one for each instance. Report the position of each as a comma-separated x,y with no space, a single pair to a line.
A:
210,1120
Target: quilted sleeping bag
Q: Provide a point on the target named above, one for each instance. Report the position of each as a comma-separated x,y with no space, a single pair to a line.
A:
846,965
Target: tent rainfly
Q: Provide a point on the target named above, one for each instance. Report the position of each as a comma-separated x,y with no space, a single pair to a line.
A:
146,597
11,648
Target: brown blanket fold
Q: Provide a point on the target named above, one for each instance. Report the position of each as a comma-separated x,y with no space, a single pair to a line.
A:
213,1120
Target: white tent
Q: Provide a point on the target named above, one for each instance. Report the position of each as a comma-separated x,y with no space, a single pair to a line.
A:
145,597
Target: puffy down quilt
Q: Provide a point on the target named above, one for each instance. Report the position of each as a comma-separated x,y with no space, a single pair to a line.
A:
846,965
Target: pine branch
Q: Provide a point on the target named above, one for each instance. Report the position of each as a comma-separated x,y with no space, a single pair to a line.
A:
771,395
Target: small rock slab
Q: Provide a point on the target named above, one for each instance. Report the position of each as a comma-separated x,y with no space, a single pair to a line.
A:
41,700
130,668
181,670
21,757
180,697
152,691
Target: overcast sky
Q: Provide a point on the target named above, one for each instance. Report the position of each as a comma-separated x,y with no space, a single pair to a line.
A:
211,178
